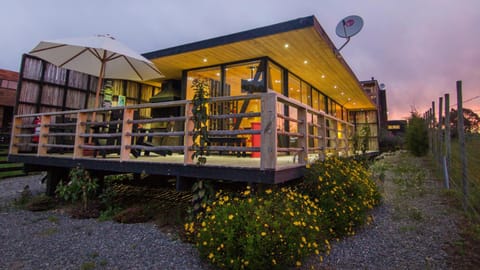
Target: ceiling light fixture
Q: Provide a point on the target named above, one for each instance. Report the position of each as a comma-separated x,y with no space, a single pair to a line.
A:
286,45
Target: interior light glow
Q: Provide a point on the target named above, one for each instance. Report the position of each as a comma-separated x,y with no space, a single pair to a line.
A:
205,60
286,45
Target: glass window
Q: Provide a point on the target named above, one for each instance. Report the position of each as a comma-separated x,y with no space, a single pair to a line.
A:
210,74
275,78
305,92
244,78
338,111
294,89
322,102
315,103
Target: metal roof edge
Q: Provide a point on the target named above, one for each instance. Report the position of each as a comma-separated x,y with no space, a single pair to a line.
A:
295,24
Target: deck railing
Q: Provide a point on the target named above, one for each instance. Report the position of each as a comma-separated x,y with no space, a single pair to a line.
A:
266,132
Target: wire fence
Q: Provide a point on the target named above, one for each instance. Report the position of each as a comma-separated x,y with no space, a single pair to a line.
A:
456,151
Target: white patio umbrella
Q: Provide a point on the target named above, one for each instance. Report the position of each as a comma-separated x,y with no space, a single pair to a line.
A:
101,56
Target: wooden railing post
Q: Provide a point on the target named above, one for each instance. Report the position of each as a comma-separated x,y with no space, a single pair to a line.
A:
323,132
80,129
42,137
16,130
126,139
268,137
188,138
303,129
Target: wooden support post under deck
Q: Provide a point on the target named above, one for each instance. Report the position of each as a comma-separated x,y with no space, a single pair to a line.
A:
188,139
80,129
303,141
126,140
42,138
268,148
14,140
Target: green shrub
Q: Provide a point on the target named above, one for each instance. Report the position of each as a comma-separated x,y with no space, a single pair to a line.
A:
417,135
344,190
272,230
81,187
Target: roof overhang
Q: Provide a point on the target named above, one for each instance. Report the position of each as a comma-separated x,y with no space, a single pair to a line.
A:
310,54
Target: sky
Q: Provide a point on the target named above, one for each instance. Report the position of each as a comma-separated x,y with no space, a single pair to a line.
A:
417,48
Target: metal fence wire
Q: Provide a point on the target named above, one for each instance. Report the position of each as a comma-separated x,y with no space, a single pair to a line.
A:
456,152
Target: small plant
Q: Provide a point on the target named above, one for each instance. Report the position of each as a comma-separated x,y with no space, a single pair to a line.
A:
202,193
200,119
365,139
81,187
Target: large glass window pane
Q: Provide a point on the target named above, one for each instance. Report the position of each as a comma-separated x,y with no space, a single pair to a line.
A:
315,103
275,78
294,89
322,101
212,75
305,92
244,78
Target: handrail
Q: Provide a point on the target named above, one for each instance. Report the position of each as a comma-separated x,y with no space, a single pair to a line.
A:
313,130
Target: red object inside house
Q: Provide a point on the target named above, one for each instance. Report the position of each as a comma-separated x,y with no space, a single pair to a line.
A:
256,142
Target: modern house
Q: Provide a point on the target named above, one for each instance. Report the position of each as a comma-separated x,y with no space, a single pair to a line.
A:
279,96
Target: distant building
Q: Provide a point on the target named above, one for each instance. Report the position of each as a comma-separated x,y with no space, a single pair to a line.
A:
8,87
378,95
397,127
375,121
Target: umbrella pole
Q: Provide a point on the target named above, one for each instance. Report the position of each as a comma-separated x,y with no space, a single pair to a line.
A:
97,95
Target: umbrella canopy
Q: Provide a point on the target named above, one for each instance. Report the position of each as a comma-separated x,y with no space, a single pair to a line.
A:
101,56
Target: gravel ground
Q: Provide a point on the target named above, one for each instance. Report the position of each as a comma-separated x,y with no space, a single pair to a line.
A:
52,240
409,231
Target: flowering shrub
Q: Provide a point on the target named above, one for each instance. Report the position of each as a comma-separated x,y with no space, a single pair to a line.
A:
344,190
271,230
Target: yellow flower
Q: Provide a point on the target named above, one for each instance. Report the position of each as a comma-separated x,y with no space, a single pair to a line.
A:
274,262
268,191
298,263
263,233
230,217
225,198
246,192
304,239
204,224
210,256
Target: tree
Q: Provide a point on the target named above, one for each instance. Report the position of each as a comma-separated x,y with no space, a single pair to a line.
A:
417,135
471,121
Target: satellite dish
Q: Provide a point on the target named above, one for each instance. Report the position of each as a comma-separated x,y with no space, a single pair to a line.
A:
382,86
349,27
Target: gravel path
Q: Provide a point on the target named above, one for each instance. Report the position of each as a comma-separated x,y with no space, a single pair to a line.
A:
52,240
409,231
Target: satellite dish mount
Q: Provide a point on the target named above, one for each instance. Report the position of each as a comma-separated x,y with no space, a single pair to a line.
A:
348,27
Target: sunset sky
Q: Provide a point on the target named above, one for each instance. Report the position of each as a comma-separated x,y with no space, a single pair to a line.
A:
417,48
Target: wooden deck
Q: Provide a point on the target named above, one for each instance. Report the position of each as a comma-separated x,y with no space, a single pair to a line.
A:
269,152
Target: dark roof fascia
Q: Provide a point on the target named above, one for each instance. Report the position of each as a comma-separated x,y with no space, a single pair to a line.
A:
236,37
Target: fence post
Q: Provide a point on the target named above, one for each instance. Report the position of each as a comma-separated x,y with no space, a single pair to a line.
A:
440,132
461,139
434,131
448,148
